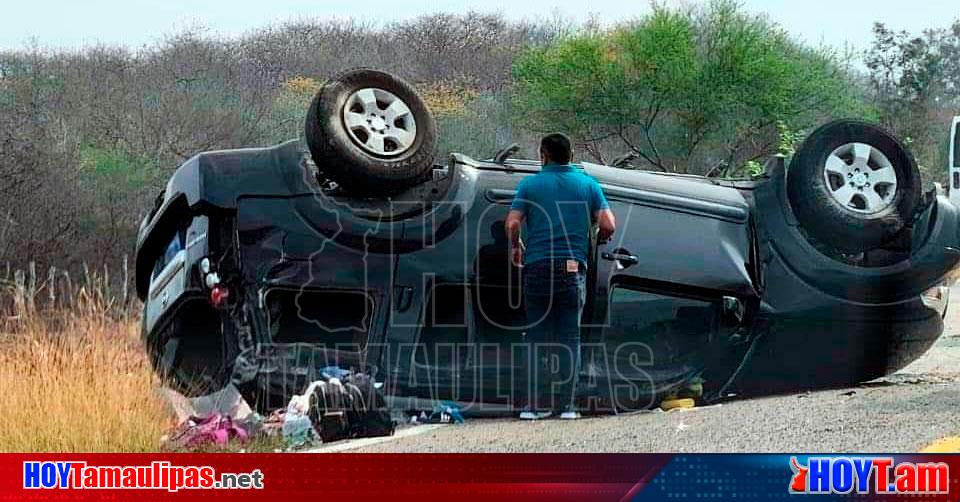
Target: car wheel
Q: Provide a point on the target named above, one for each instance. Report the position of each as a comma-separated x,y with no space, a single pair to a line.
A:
852,185
371,133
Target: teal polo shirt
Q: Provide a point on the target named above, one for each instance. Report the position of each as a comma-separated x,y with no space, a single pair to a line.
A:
558,205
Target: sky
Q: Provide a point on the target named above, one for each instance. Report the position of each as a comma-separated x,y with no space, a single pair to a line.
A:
72,24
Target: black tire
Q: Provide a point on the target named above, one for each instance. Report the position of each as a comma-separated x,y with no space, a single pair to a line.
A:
340,157
822,216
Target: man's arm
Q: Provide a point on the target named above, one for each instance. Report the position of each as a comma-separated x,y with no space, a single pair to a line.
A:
518,209
607,223
513,224
602,213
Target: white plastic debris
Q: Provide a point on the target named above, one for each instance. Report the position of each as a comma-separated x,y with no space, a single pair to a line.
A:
226,402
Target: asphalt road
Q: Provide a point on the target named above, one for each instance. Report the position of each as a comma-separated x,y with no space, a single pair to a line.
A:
900,413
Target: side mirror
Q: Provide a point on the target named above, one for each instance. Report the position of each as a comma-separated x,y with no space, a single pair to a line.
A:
503,154
775,162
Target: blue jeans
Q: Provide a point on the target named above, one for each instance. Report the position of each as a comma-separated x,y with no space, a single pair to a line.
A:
554,302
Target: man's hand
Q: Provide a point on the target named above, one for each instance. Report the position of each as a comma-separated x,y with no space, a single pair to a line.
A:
516,255
512,226
607,224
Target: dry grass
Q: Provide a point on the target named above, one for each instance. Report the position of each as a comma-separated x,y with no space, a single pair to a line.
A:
78,382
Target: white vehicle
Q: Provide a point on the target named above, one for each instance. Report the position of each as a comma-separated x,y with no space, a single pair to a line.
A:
955,161
939,297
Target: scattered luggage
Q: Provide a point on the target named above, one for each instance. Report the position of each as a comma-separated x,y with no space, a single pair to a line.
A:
341,404
348,407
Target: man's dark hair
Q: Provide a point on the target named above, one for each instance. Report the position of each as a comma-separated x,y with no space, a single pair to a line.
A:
557,147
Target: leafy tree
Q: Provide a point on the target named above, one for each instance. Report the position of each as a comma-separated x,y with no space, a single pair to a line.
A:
684,90
112,183
288,110
479,129
915,81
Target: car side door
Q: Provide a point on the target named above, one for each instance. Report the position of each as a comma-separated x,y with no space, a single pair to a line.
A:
658,290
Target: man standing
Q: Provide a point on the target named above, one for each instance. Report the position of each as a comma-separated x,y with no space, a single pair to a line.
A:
559,207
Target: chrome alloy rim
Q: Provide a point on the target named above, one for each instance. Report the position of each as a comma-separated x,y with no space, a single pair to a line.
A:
379,122
860,178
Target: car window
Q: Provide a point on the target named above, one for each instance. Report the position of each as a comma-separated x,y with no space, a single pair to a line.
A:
332,319
492,313
671,326
175,245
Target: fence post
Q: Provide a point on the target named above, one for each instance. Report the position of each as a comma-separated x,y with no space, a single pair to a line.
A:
52,286
32,286
126,284
19,295
106,294
68,284
84,290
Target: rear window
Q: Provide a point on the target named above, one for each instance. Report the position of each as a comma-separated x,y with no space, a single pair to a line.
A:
332,319
176,244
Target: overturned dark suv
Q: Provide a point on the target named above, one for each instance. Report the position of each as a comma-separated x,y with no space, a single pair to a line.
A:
352,248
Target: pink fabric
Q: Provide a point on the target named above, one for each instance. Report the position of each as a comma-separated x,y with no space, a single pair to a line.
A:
217,430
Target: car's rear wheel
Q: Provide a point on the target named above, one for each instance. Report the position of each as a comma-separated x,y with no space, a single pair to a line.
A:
853,186
371,133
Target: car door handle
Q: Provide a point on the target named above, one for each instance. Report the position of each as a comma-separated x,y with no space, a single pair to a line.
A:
623,258
500,196
402,298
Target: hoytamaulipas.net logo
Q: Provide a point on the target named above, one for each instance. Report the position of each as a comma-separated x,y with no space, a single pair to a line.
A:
156,476
871,475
